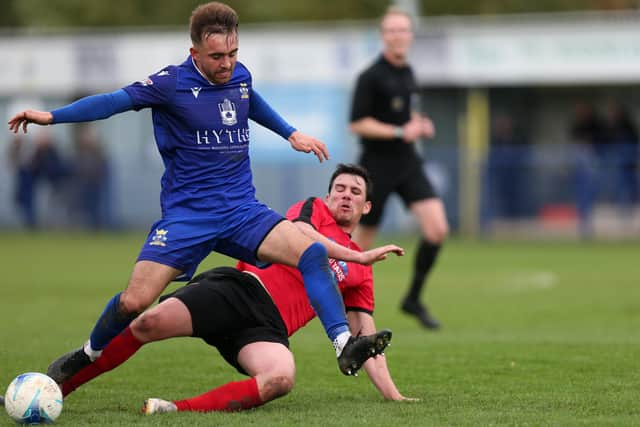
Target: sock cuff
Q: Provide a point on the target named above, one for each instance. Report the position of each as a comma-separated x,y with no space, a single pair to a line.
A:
252,384
182,405
427,244
127,334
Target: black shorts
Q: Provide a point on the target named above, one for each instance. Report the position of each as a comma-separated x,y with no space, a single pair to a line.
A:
230,309
402,175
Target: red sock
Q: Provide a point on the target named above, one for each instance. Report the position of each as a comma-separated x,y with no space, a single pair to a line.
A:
234,396
119,349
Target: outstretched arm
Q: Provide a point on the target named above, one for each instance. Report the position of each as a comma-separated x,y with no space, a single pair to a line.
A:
23,118
376,367
94,107
345,254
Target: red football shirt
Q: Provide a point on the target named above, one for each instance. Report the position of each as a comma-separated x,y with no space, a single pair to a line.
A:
285,283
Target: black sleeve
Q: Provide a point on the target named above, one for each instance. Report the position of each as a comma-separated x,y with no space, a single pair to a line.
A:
363,95
306,212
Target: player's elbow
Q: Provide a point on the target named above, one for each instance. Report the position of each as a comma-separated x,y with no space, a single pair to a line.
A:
356,127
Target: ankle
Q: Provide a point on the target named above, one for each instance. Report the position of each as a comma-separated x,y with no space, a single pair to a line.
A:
340,341
89,351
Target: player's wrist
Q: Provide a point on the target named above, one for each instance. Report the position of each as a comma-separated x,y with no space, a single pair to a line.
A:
398,132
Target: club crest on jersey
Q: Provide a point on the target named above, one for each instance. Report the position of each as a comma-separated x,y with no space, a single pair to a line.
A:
339,269
146,82
160,238
397,103
228,112
195,91
244,91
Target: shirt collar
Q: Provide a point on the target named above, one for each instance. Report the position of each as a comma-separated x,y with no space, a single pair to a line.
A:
200,72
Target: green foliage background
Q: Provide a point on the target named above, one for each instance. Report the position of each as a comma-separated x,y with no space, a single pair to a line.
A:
97,13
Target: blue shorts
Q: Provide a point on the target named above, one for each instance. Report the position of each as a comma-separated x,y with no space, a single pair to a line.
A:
183,242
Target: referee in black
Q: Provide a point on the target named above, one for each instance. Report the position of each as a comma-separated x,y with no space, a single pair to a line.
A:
384,115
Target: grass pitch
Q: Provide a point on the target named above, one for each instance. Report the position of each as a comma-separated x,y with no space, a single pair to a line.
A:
534,334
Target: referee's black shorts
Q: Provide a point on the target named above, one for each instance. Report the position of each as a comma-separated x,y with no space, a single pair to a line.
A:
230,309
389,174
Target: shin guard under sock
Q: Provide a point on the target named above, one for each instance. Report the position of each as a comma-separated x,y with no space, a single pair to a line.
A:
322,290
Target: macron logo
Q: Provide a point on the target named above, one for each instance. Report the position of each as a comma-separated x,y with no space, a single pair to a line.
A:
195,91
163,73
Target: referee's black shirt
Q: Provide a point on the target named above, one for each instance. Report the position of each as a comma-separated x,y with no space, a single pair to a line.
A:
384,92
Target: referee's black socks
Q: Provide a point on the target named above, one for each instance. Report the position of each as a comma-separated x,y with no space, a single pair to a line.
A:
425,258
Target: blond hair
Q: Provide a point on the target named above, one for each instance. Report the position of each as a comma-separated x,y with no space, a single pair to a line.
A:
395,10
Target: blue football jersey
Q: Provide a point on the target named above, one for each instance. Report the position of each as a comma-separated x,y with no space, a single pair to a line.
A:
202,133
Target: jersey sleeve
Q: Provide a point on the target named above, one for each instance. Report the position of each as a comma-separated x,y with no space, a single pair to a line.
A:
94,107
156,90
359,296
262,113
363,95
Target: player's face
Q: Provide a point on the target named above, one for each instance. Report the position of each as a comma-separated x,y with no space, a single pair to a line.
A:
216,57
397,35
347,200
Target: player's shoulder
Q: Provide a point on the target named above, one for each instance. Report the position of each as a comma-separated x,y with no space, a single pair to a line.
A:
164,77
317,204
186,72
241,74
162,80
378,65
312,210
301,208
166,72
321,214
374,71
241,68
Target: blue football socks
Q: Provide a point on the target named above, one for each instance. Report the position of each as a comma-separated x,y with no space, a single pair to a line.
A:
322,290
110,323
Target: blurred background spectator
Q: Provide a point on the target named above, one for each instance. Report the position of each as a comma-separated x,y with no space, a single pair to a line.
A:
588,133
506,173
90,180
36,163
622,136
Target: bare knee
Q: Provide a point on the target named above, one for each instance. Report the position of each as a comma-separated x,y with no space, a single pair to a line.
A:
436,230
437,235
277,386
169,319
133,303
144,326
147,282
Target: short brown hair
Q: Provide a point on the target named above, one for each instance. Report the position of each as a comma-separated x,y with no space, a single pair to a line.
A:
212,18
351,169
